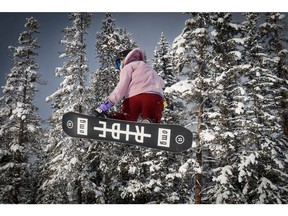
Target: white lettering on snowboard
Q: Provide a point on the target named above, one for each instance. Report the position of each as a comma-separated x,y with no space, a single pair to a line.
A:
82,126
164,137
115,131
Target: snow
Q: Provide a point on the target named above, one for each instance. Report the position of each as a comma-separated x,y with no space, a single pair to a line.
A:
154,168
19,49
6,166
179,45
184,168
221,78
74,160
259,96
199,31
20,88
220,20
283,52
16,147
214,33
237,54
228,134
57,158
157,189
31,128
132,169
282,16
264,193
173,197
208,135
242,90
239,109
184,87
240,41
173,175
63,55
225,172
133,188
221,197
234,25
245,162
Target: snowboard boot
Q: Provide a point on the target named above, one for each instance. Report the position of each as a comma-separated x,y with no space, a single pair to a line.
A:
99,114
147,121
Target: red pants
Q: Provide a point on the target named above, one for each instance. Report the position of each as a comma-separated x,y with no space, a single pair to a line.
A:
149,106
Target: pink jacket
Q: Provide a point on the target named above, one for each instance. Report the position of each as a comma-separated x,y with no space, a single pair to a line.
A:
136,77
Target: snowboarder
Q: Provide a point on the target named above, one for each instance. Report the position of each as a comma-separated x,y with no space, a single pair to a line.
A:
141,87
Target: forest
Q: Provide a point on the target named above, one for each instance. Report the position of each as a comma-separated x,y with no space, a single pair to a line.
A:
226,81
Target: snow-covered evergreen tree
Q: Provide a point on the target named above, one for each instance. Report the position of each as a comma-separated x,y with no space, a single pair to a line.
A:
163,64
21,133
231,130
192,47
228,104
196,37
103,157
275,38
109,42
65,178
262,171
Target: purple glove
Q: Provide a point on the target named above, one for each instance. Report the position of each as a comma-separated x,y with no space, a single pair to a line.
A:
104,107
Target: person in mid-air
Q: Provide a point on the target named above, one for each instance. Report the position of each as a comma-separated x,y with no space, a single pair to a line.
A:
141,87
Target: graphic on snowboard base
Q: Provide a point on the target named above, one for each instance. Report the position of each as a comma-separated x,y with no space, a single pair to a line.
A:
172,138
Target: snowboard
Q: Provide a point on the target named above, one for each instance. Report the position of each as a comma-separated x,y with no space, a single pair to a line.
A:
173,138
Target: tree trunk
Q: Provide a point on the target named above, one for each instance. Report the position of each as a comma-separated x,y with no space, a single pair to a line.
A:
79,191
198,176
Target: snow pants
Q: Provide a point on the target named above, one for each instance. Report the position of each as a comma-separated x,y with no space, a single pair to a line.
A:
145,105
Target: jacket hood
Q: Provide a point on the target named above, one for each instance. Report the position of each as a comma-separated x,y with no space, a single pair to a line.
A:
135,55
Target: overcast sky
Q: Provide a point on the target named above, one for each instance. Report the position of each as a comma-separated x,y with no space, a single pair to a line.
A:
145,29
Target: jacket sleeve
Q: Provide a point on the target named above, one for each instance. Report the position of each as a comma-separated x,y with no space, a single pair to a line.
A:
122,87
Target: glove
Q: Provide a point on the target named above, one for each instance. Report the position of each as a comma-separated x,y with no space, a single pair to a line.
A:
104,107
99,111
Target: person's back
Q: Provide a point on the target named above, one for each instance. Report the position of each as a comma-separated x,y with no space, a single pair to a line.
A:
137,77
141,87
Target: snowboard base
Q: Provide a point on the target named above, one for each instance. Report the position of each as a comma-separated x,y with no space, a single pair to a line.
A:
172,138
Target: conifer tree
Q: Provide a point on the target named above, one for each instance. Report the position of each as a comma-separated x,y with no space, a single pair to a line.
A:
196,34
163,64
104,156
228,102
20,122
64,179
109,42
249,135
193,46
274,34
264,142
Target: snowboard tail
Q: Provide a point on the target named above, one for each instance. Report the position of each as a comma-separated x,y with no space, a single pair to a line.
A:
172,138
